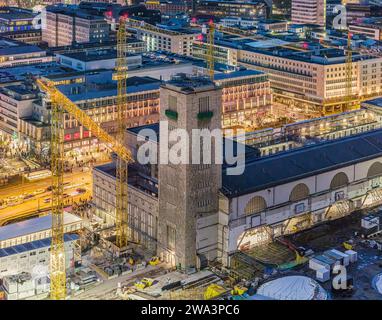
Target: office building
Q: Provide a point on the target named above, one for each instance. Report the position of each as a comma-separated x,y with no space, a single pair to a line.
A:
309,12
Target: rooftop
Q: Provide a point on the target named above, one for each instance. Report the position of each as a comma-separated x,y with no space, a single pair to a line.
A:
76,11
34,245
136,178
188,84
237,74
86,55
267,172
12,47
107,88
19,73
19,92
34,225
13,13
374,102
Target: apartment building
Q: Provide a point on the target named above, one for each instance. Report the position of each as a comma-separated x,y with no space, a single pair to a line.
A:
309,12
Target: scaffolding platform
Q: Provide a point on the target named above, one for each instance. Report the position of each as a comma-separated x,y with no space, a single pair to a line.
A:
273,254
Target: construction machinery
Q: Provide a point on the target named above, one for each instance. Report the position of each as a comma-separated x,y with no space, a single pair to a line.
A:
238,290
144,283
213,291
349,244
121,211
154,261
60,105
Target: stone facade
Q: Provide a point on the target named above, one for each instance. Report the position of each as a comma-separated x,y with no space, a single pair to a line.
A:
188,194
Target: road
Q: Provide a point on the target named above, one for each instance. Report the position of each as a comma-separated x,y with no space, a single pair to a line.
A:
40,202
106,290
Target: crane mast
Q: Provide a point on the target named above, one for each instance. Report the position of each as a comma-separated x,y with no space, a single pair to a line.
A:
349,74
121,212
210,51
57,255
60,105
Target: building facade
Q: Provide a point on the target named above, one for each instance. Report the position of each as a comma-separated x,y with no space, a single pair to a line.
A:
245,96
186,203
309,12
315,80
15,102
63,26
226,8
330,187
14,53
177,41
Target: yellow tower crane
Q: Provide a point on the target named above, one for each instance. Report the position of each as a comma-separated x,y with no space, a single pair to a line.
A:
210,51
121,212
349,103
60,105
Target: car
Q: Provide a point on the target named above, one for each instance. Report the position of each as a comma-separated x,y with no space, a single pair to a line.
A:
81,190
38,191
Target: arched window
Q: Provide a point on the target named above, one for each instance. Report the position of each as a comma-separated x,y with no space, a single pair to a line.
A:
375,170
339,180
255,205
299,192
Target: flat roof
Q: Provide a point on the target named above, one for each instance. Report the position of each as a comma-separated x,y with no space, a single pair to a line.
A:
375,102
39,69
237,74
86,56
33,245
34,225
136,179
277,169
189,83
109,88
9,47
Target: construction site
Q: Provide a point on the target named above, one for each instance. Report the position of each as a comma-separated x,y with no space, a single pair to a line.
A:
307,206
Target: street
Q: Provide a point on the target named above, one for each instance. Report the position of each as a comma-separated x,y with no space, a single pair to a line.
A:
108,287
29,207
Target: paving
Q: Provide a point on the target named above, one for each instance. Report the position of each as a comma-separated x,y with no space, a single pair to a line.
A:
331,235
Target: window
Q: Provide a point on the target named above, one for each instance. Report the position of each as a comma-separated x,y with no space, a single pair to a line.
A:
204,104
339,180
299,192
172,103
171,237
255,205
